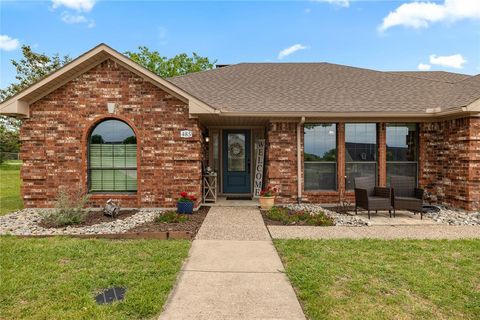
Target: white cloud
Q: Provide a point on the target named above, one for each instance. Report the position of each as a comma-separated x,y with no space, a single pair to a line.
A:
72,19
77,18
341,3
308,10
424,67
421,14
7,43
454,61
78,5
288,51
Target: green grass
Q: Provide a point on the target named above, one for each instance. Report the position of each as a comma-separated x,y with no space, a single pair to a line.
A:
375,279
57,278
10,199
289,217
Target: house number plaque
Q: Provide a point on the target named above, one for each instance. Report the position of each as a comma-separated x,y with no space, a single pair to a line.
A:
186,134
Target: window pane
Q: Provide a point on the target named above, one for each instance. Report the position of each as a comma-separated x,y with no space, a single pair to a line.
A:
107,155
320,176
358,169
216,157
113,131
131,180
320,142
96,180
119,155
402,140
95,156
107,180
407,169
360,142
113,157
131,155
236,152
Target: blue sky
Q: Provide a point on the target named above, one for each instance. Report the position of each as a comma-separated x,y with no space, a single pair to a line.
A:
383,35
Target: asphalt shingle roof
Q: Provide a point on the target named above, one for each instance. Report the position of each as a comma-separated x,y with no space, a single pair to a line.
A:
325,87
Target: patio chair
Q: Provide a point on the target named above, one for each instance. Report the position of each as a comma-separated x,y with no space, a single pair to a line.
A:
370,197
405,196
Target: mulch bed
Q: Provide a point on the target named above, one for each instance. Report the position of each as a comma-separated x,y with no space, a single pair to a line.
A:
97,217
192,225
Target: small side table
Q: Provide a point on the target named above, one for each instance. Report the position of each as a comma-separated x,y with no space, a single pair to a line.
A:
210,188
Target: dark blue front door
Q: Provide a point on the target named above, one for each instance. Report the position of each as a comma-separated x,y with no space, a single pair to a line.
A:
236,161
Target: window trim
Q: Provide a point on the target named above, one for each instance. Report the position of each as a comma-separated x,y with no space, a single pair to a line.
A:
336,162
89,168
377,153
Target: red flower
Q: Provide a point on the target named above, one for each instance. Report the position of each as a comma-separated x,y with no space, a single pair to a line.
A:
192,198
183,194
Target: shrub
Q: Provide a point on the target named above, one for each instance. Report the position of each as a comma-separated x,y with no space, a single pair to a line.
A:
69,209
286,216
170,217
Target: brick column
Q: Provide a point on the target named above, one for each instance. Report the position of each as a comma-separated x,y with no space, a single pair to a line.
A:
341,157
382,154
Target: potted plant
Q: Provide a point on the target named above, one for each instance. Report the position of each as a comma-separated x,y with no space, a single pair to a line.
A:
185,203
267,197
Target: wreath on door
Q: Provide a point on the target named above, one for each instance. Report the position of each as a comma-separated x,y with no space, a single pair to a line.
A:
235,150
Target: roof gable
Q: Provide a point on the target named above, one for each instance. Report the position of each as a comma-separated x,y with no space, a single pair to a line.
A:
18,105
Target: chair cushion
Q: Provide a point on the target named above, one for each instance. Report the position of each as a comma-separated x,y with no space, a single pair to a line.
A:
408,203
379,200
408,199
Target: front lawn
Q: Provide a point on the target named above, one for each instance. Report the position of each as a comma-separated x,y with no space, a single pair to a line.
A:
375,279
57,278
10,199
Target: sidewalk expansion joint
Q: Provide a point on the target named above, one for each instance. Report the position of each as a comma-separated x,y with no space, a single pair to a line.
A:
223,271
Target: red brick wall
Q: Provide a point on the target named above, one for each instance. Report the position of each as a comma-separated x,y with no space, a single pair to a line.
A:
450,162
54,138
281,161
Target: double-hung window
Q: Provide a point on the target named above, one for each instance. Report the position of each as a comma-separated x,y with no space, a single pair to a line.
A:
112,157
402,150
360,151
320,156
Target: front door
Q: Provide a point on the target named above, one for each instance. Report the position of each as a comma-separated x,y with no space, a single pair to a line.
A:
236,161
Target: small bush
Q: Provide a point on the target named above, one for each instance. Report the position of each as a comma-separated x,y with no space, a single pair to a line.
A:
170,217
69,209
286,217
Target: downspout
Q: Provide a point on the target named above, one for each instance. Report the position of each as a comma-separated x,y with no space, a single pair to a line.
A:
299,160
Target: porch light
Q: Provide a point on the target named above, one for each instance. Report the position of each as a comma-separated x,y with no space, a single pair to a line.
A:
207,139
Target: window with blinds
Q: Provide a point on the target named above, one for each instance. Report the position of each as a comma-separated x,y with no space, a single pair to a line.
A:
112,158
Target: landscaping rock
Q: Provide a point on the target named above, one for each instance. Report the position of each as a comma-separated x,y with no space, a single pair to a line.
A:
454,216
26,222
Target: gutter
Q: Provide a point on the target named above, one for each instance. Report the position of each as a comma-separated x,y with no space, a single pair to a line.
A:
299,160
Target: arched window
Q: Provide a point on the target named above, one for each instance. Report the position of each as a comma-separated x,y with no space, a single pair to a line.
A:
112,157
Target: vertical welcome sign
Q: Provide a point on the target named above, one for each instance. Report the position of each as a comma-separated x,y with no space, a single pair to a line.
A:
260,150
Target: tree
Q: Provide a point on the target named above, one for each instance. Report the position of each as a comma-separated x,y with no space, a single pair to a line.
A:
170,67
31,68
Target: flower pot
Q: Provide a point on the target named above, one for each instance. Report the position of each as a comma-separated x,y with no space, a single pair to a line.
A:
185,207
266,202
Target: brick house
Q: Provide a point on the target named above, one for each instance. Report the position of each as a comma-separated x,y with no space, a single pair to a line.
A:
117,130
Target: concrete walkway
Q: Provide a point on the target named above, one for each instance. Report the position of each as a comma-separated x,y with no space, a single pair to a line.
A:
377,232
233,272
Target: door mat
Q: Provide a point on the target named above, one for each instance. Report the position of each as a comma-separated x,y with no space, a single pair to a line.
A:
239,198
